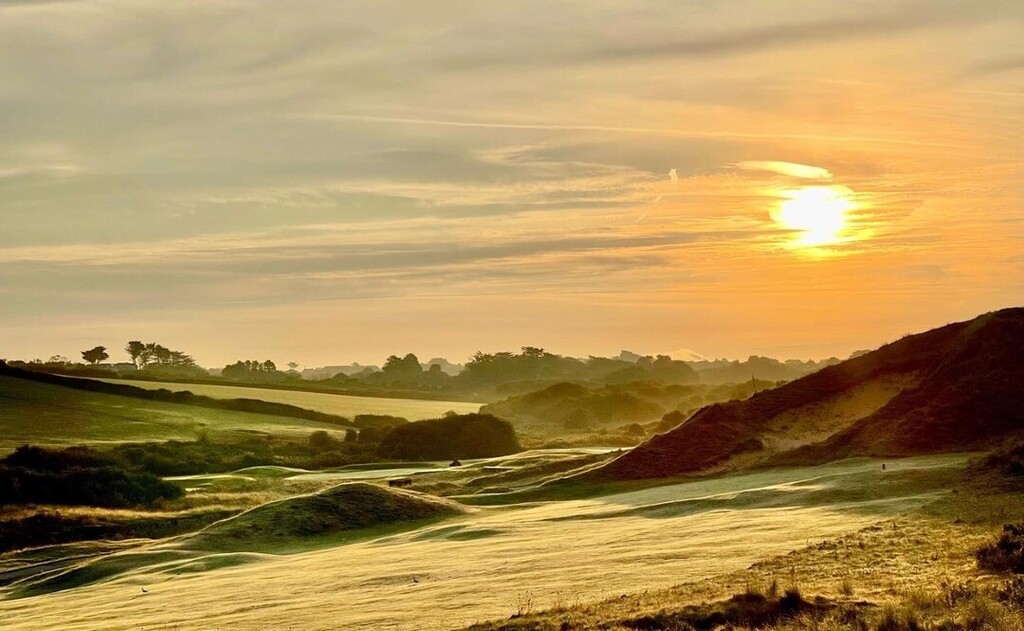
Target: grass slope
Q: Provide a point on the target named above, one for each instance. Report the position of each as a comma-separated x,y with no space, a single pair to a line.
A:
958,390
47,414
917,570
321,401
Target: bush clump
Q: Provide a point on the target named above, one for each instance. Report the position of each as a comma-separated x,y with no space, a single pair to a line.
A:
1006,554
77,476
458,436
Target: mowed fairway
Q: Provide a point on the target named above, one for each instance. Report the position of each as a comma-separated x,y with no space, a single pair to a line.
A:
45,414
340,404
495,561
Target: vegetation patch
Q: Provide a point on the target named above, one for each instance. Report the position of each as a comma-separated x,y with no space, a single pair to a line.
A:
77,476
451,437
750,610
1008,461
1005,554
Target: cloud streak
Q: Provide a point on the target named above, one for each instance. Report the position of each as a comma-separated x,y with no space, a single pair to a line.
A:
791,169
167,163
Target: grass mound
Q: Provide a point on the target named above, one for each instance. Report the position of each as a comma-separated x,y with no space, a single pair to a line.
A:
340,510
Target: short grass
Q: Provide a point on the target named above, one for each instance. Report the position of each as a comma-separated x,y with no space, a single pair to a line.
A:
45,414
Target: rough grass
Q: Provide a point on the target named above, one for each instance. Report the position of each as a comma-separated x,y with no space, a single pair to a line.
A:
911,573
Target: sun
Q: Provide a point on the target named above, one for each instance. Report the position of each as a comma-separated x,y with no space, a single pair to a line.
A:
819,213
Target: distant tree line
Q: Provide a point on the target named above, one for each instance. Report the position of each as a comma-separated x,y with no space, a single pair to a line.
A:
253,370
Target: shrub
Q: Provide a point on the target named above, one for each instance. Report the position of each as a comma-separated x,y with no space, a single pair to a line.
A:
1006,554
955,594
1012,592
320,441
379,421
106,486
461,436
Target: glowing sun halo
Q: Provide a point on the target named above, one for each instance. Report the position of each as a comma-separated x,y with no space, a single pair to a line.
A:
819,213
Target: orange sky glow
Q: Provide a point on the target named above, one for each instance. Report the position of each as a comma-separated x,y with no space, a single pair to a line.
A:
337,182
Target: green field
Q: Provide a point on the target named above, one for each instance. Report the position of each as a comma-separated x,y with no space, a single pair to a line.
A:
44,414
340,404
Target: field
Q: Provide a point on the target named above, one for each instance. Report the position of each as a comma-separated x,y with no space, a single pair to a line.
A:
44,414
340,404
497,561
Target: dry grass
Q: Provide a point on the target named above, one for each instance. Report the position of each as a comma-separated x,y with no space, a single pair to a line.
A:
914,572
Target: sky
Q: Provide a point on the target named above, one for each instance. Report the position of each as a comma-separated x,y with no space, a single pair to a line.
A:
327,182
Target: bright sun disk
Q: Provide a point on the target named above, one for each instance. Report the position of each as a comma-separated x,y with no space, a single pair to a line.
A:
819,213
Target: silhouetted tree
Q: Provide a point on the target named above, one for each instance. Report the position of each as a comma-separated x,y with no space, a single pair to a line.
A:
402,368
95,355
135,349
144,355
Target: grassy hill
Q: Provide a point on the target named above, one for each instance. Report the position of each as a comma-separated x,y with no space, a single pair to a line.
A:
955,388
47,414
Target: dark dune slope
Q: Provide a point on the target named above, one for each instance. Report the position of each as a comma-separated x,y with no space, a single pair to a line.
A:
967,392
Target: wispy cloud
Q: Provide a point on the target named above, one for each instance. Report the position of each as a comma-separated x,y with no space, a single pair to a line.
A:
163,158
619,129
791,169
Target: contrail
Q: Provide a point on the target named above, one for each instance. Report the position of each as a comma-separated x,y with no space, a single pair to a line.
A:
608,128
